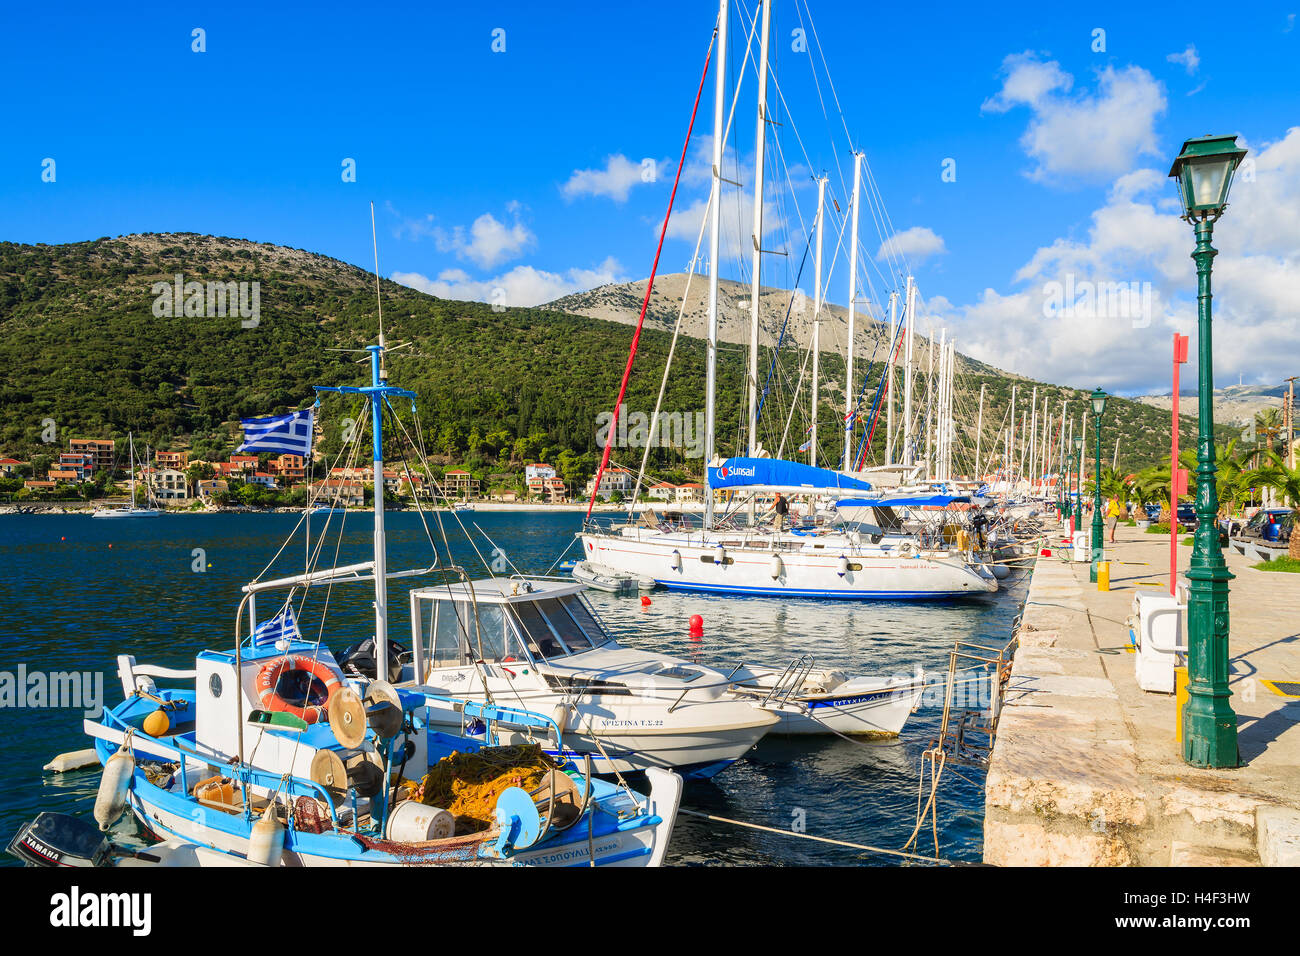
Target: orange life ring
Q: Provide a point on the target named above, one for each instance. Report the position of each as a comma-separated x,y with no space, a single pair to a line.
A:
270,675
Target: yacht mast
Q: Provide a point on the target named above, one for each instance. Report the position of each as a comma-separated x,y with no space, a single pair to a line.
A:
757,236
711,377
979,434
889,378
817,320
853,297
909,451
1033,439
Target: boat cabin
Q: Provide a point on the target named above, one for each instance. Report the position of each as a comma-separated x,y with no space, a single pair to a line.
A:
500,621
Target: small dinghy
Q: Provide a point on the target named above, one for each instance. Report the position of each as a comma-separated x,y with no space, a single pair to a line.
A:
603,578
823,701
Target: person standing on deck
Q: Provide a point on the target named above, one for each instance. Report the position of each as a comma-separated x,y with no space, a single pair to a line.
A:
780,508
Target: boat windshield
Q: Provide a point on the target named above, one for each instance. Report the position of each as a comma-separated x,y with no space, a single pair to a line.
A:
555,627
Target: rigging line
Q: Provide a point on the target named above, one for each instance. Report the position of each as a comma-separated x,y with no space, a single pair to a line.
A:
645,304
794,403
668,362
881,390
762,398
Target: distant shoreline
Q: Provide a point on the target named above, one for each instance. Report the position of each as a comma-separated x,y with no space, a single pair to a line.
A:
56,508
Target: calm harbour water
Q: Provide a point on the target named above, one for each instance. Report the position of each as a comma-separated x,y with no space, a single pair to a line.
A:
77,592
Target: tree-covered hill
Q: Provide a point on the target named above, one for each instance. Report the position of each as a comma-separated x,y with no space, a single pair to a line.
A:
83,345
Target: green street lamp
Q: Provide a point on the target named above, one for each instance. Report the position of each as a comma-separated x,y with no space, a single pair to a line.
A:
1204,171
1078,483
1098,541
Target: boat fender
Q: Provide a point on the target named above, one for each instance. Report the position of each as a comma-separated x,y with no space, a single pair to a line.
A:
157,723
266,843
720,555
777,566
844,565
110,801
560,714
675,561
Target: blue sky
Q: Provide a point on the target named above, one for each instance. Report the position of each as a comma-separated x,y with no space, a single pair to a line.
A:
475,158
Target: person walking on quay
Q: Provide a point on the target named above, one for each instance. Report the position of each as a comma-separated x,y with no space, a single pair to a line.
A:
1112,517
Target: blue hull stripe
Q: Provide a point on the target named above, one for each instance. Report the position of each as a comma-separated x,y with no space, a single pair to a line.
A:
813,592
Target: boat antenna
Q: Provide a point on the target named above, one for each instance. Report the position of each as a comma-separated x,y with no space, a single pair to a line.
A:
374,239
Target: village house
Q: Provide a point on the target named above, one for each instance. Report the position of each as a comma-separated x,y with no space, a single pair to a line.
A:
663,491
692,491
614,480
345,491
82,463
178,460
207,487
167,484
100,449
458,483
9,467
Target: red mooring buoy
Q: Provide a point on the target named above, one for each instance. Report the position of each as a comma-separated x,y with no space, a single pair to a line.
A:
645,601
697,626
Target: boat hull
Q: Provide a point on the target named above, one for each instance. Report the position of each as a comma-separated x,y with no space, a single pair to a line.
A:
688,564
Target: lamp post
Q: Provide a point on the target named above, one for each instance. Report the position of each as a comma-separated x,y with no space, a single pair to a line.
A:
1098,409
1204,172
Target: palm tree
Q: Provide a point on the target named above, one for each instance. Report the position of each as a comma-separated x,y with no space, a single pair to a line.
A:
1114,484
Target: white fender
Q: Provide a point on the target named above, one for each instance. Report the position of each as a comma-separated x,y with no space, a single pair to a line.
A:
844,565
675,560
720,555
266,843
777,566
110,801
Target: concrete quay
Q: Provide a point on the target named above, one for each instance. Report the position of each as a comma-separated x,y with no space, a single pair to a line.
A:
1085,770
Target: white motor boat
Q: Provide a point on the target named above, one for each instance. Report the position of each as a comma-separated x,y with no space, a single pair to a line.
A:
829,701
539,646
606,579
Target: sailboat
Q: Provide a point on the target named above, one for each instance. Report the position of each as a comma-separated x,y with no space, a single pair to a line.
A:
734,553
130,510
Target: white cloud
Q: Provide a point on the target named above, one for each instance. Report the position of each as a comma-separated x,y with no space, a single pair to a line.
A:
1136,259
915,244
615,180
521,286
1085,136
488,241
1189,59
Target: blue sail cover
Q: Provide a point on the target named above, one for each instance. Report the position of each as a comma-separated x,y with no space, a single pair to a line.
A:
776,474
915,501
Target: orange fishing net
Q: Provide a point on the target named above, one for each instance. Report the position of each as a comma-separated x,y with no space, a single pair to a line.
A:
469,784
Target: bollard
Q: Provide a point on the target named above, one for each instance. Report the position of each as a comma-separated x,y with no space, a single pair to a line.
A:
1180,700
1103,575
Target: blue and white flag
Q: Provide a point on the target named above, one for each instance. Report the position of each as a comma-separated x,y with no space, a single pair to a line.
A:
282,627
982,491
806,445
287,434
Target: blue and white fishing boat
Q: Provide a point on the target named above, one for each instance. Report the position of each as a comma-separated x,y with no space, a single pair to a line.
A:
268,751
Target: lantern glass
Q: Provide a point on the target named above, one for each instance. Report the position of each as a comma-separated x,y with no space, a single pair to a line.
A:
1099,403
1204,171
1078,444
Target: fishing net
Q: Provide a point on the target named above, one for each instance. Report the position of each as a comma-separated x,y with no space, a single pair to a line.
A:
469,784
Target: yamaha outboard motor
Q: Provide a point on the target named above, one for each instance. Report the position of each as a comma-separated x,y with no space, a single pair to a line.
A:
359,660
57,839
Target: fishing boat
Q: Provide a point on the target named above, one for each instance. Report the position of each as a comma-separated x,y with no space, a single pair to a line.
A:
538,644
268,751
130,510
828,701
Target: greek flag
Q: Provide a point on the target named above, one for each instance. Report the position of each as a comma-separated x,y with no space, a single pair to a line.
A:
288,434
982,491
284,626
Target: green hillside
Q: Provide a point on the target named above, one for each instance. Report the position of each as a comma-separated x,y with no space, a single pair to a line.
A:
83,347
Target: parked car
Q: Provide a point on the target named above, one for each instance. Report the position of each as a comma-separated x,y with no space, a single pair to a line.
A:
1286,527
1187,516
1265,524
1153,511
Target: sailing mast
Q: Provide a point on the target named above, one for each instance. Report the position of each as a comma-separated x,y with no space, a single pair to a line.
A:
979,433
759,151
1033,439
853,297
889,372
711,378
817,320
909,452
